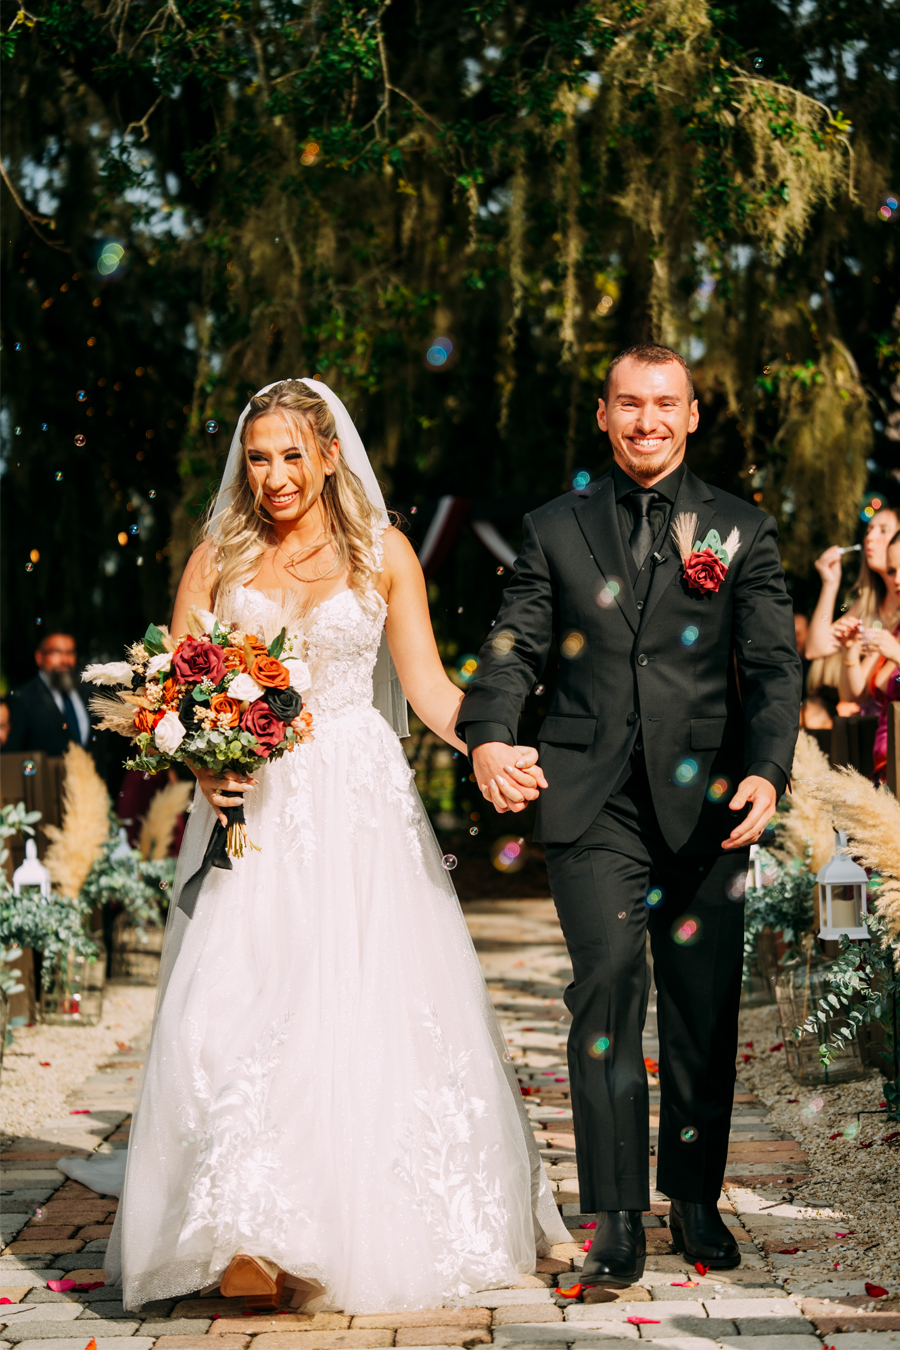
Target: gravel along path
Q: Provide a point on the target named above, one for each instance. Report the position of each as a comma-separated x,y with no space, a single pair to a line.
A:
853,1167
45,1064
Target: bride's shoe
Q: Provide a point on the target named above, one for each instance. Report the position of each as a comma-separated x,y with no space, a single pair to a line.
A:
258,1281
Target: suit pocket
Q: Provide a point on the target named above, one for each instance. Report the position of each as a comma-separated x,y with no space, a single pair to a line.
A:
707,733
561,730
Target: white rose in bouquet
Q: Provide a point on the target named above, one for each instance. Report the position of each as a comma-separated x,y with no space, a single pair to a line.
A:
244,688
157,664
169,733
299,673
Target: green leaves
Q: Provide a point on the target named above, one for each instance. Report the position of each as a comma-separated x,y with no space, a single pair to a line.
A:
153,640
276,646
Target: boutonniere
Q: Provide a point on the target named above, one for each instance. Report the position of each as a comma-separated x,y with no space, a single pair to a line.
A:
705,564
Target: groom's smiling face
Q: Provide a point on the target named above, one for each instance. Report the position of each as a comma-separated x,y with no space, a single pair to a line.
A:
648,417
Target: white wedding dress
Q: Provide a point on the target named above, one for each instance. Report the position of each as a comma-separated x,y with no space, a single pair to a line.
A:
325,1084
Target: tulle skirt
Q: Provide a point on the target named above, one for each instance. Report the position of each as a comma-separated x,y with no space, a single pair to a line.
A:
326,1084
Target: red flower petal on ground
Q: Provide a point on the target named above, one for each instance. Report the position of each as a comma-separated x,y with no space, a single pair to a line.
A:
79,1113
44,1063
684,1284
644,1321
592,1224
700,1268
889,1138
875,1290
792,1101
587,1246
788,1251
868,1143
91,1345
773,1048
573,1291
5,1300
60,1286
651,1065
835,1136
749,1045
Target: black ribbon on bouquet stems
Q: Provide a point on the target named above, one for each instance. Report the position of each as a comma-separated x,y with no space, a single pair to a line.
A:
225,843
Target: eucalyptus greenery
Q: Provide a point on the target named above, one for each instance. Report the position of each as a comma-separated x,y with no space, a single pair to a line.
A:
122,876
785,903
50,926
211,197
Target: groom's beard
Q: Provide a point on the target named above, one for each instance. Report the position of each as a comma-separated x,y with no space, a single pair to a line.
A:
645,469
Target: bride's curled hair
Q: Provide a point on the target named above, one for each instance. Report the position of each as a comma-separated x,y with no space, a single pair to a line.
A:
242,530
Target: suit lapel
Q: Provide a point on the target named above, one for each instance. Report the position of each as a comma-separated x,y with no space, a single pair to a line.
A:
597,519
693,496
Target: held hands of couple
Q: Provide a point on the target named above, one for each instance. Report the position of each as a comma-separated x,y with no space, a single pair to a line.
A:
508,776
763,798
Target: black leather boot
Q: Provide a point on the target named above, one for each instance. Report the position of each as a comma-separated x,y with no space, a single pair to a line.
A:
618,1249
698,1232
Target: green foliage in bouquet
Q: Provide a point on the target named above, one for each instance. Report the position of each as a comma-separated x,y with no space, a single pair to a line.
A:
53,926
120,874
785,903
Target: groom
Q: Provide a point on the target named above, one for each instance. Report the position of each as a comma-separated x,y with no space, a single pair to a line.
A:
667,744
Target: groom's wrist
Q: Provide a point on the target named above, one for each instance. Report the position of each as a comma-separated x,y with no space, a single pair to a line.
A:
764,768
480,733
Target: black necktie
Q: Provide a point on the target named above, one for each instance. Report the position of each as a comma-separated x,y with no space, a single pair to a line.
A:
641,540
72,724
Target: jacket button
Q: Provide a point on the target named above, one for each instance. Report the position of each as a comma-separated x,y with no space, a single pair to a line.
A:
631,718
643,660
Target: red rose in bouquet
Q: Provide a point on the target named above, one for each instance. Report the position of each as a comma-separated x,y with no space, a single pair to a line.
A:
262,723
703,571
198,659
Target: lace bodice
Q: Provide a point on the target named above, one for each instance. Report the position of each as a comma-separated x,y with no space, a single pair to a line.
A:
339,644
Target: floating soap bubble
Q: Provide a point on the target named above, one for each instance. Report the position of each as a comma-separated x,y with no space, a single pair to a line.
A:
581,480
706,287
80,440
18,347
29,567
654,898
468,668
686,931
717,789
608,593
132,529
473,830
766,370
737,886
212,426
539,688
509,854
685,772
598,1047
163,885
45,426
81,395
572,644
503,642
59,477
439,353
816,1104
448,862
758,63
18,431
622,914
29,768
152,493
689,1135
110,260
690,635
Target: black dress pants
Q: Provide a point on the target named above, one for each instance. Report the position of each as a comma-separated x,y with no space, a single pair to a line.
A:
619,879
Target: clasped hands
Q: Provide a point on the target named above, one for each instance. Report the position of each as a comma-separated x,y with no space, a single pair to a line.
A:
857,640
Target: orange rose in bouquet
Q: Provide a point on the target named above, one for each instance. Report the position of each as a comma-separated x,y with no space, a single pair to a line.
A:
227,710
270,673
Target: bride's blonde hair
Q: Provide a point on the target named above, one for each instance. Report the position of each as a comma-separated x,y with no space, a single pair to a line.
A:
242,532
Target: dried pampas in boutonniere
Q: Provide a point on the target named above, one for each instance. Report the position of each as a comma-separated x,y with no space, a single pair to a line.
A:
158,825
75,847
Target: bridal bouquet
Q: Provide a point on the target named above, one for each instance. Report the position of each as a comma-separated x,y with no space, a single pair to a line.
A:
217,699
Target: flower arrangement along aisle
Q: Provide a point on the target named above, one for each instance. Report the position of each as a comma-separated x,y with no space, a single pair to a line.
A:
218,698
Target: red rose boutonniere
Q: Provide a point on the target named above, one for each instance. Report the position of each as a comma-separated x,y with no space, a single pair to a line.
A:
706,564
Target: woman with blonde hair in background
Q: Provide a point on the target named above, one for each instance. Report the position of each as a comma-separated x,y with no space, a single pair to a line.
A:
873,602
328,1115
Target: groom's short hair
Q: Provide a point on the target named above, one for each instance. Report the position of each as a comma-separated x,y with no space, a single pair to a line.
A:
648,354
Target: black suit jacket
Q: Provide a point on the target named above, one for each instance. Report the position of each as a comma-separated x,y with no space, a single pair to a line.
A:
709,683
35,722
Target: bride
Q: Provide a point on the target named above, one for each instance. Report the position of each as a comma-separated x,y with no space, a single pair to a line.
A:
326,1100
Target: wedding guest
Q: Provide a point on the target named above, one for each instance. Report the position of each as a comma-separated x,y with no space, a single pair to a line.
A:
871,661
4,723
48,713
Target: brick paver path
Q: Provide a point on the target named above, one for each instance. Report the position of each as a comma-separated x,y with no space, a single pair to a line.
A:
786,1295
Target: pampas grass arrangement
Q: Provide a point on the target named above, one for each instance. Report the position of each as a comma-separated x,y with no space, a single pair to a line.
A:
75,847
806,823
158,825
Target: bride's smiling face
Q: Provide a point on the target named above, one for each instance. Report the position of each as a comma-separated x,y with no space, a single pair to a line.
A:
291,481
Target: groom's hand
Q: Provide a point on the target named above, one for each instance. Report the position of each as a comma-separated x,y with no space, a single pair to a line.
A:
508,776
764,798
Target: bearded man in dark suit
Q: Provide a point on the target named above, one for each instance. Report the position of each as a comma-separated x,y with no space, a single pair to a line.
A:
666,746
48,712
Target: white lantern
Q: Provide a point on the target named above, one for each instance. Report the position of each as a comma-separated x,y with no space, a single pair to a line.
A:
32,872
842,895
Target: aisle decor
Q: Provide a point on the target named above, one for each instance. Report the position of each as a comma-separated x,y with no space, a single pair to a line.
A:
217,698
830,1005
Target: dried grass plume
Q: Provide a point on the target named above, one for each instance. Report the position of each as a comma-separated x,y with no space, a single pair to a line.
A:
807,820
158,825
74,848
